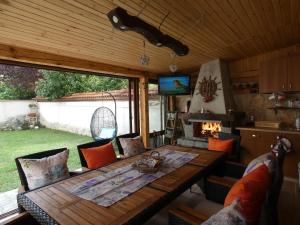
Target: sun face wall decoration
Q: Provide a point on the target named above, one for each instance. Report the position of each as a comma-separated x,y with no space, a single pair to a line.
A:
208,88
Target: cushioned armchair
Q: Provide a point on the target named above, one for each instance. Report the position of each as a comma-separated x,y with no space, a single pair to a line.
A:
38,155
218,189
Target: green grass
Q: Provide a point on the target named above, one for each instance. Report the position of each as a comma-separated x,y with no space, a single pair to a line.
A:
19,143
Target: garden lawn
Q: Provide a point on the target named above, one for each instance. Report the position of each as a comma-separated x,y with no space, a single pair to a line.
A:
19,143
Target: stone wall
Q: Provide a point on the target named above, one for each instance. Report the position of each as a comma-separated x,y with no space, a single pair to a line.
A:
258,104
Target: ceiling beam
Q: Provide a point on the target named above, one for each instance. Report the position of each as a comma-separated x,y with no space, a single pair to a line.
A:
24,55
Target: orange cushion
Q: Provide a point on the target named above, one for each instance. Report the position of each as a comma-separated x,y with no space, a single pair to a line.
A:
99,156
251,190
216,144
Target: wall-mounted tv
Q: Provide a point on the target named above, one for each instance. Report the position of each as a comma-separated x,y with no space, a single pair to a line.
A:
175,84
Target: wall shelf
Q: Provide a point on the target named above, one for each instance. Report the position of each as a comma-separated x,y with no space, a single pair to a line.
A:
276,108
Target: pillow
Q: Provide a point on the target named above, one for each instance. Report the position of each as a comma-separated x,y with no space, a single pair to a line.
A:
107,133
216,144
251,190
40,172
132,146
266,159
97,157
229,215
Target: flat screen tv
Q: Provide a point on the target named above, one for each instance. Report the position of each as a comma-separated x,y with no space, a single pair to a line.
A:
176,84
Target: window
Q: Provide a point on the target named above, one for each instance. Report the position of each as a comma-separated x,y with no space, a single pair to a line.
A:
156,109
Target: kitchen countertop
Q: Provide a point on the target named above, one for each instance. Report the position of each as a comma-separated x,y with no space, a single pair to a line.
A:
266,129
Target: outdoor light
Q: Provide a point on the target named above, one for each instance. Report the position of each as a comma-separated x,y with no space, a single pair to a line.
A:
121,20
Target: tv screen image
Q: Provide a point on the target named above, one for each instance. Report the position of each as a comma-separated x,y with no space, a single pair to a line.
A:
174,85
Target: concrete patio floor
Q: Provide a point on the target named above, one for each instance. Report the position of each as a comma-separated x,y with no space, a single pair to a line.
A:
8,201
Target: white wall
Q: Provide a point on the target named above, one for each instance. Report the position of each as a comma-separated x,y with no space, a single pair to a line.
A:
76,116
218,104
13,108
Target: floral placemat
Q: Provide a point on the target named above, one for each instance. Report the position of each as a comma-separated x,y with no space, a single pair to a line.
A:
115,185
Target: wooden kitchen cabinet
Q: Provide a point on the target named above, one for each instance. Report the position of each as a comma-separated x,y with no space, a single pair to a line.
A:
273,76
293,79
280,74
255,142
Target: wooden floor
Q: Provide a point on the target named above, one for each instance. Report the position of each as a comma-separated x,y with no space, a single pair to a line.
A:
289,204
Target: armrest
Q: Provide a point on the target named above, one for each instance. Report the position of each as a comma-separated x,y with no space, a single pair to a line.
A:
21,189
186,216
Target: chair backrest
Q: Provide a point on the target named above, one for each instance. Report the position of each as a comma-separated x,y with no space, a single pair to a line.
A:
237,142
132,135
270,211
89,145
37,155
156,139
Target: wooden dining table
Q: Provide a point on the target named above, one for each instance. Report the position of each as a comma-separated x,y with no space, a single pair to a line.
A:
55,204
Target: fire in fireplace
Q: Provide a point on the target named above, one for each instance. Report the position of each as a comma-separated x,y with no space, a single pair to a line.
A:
210,128
206,129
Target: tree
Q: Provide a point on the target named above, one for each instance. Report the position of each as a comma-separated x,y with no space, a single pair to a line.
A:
9,92
55,84
17,82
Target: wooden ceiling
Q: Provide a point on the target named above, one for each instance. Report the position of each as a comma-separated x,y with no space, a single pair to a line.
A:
228,29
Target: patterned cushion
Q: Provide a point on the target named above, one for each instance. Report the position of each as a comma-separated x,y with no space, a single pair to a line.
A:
228,215
40,172
266,159
132,146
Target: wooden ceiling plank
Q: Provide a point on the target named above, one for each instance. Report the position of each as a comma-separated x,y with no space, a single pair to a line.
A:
125,41
216,23
243,16
295,18
270,22
29,56
257,12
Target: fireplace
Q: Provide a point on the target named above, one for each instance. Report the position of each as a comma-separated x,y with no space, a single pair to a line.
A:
201,126
206,129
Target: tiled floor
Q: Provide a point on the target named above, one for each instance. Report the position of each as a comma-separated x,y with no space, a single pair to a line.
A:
8,201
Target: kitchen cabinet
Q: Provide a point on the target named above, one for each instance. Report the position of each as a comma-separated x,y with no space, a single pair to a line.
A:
280,74
255,142
273,76
293,75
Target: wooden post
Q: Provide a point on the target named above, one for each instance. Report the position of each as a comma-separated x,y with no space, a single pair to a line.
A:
144,110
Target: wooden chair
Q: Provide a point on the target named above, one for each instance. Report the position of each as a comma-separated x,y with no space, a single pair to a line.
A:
38,155
89,145
183,215
156,139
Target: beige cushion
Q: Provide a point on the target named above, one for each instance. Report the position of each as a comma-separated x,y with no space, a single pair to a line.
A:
40,172
132,146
